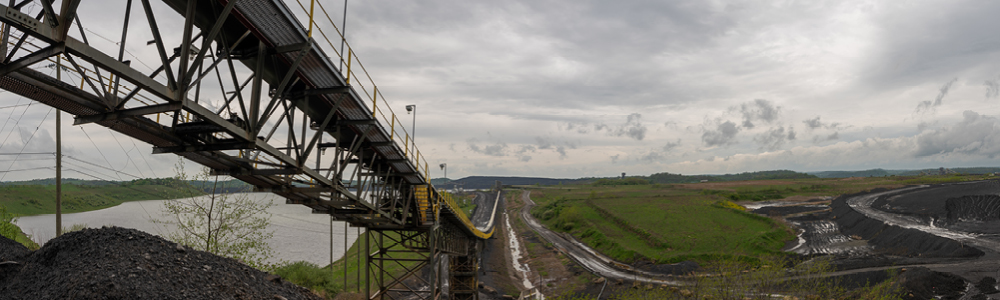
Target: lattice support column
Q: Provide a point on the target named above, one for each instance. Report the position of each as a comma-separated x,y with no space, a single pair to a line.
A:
464,273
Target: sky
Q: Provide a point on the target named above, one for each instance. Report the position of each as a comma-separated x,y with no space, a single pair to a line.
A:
573,89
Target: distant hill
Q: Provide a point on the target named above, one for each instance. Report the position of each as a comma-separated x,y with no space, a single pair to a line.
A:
862,173
761,175
883,172
485,182
227,186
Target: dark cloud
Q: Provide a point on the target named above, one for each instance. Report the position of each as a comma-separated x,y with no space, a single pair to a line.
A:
521,152
497,149
633,128
671,145
992,87
724,134
791,133
975,134
557,146
757,110
916,43
543,143
815,123
774,138
928,105
614,158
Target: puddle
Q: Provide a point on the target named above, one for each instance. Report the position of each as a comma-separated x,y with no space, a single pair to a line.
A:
515,254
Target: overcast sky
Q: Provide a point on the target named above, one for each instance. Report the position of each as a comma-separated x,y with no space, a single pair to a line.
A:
595,88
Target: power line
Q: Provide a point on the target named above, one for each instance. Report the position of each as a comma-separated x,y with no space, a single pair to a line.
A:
100,166
26,142
15,123
98,149
12,106
126,153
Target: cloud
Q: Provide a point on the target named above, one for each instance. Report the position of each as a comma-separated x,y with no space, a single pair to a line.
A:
521,153
791,133
757,110
671,145
614,158
555,145
975,134
815,123
724,134
774,138
497,149
928,105
992,87
633,127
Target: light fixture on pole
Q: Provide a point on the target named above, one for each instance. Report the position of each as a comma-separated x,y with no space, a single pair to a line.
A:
413,135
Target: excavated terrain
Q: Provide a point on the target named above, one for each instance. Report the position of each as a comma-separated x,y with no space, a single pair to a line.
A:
120,263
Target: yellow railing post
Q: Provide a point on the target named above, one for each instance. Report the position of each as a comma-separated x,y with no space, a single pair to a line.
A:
406,146
350,53
392,131
374,101
312,5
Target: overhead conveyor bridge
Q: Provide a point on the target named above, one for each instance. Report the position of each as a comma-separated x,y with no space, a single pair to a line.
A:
250,92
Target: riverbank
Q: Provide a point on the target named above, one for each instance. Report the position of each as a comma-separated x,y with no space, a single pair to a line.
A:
30,200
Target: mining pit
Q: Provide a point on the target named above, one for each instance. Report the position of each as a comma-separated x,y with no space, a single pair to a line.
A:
941,239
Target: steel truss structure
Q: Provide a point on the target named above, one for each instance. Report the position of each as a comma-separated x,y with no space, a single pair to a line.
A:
246,91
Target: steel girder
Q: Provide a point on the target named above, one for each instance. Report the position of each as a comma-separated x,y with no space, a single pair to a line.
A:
281,117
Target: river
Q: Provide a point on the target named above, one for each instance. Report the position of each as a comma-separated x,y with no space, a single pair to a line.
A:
299,235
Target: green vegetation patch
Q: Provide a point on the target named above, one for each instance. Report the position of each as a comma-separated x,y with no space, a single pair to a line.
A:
666,223
26,200
328,282
663,224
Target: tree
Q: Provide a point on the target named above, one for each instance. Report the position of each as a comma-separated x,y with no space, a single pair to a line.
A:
229,224
7,227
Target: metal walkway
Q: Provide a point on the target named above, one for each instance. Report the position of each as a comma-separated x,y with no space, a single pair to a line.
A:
319,133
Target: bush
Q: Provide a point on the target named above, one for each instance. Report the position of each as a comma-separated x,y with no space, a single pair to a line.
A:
310,276
7,227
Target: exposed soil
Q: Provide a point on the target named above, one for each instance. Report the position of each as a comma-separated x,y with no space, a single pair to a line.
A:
120,263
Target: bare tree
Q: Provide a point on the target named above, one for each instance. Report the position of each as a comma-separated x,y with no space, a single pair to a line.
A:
229,224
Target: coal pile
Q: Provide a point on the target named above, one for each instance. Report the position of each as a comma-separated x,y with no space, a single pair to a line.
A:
120,263
973,208
895,240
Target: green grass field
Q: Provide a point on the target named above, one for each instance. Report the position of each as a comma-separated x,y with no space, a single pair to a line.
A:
670,223
26,200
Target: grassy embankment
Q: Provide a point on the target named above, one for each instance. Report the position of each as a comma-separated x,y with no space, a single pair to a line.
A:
27,200
328,282
672,223
466,202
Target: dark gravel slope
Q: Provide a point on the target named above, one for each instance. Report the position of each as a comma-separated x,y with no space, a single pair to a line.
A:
120,263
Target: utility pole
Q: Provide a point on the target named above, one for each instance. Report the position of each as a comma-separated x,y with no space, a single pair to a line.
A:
58,155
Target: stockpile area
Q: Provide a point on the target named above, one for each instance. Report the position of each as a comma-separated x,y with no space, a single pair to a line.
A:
120,263
895,240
